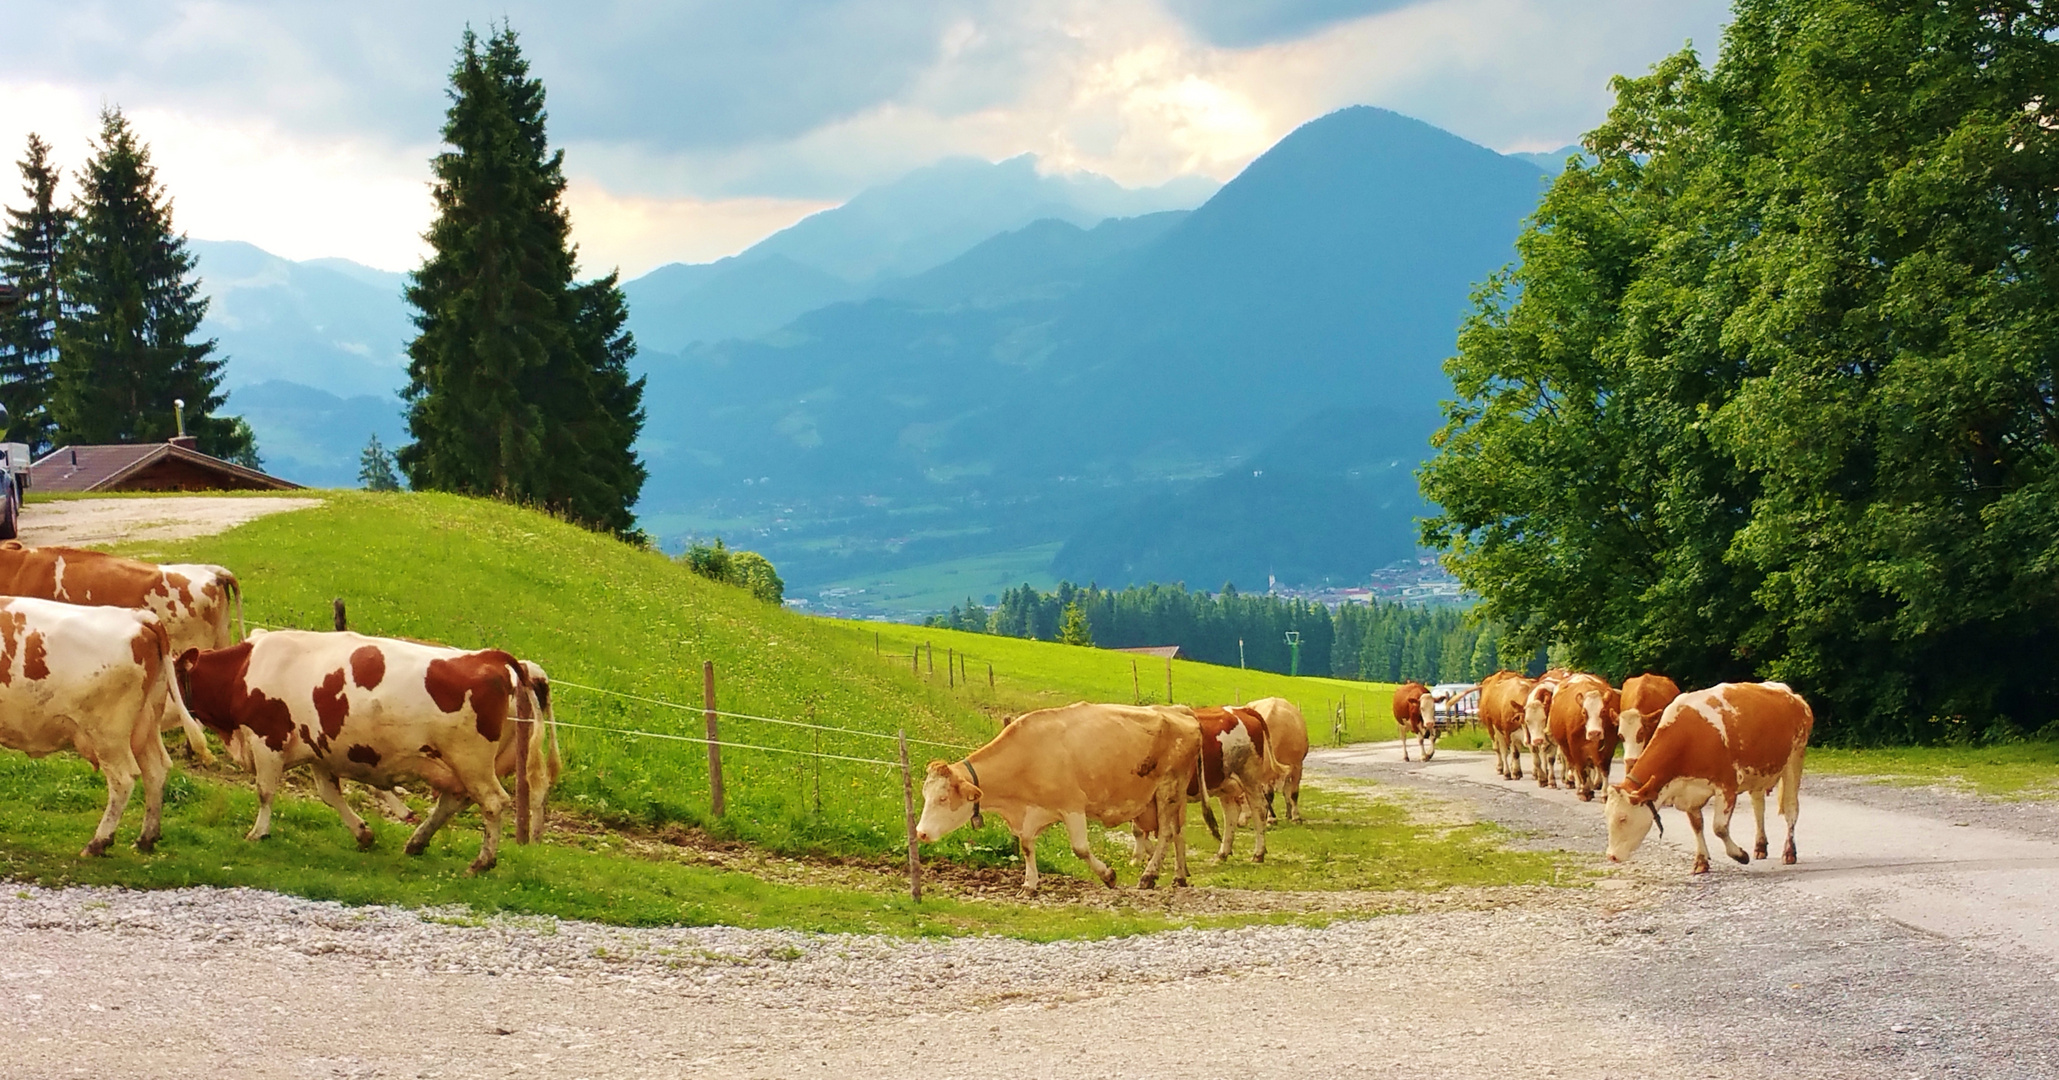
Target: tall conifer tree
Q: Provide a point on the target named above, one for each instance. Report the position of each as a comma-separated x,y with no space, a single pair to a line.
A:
28,259
131,307
519,379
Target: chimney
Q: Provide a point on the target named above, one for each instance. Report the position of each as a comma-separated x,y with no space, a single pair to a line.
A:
182,440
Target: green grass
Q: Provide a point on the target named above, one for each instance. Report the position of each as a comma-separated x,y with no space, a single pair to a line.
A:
2025,770
597,612
1040,674
936,586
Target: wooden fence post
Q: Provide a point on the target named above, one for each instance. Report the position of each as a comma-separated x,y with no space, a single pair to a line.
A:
1168,680
931,648
1136,687
990,675
915,661
715,799
342,623
524,729
908,811
951,667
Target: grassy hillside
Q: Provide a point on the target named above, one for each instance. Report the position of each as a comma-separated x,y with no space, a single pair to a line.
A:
807,842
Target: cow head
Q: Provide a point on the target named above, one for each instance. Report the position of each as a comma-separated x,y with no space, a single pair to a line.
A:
1537,713
1599,707
1630,727
1629,823
948,801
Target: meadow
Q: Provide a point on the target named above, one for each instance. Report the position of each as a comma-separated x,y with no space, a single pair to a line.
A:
600,614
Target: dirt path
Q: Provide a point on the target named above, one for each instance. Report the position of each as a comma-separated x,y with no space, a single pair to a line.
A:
1934,864
1816,971
97,522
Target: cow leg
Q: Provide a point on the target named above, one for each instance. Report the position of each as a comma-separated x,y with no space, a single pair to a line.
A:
156,764
1076,831
120,770
196,739
1258,829
1726,805
1791,802
1229,833
1178,829
1515,758
1432,751
1027,840
1294,796
332,793
1759,818
1404,744
1701,843
447,806
1165,810
268,767
393,806
1537,760
494,803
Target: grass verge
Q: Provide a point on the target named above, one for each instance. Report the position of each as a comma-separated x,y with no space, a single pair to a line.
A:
2025,770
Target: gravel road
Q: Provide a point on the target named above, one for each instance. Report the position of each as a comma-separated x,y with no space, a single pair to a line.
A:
89,522
1740,974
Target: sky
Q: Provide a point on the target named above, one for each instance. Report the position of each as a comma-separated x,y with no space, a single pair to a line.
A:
693,128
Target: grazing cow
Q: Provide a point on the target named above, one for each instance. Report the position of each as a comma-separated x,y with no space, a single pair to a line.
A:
1712,744
193,600
96,679
1288,731
1415,713
1537,726
1645,698
1115,764
1502,695
1583,729
1237,766
374,710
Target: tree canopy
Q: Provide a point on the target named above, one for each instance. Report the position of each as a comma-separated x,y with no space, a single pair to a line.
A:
28,332
1771,391
519,380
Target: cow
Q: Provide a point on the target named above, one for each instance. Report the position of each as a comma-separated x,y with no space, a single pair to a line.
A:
1645,698
374,710
1115,764
1237,766
1501,712
1712,744
1288,731
193,600
1537,726
1415,713
96,679
1584,731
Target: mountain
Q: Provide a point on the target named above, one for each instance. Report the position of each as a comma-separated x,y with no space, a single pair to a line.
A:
1553,162
316,355
1064,385
885,233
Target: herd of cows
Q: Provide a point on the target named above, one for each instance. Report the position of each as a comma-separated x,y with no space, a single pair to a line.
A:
101,654
1139,765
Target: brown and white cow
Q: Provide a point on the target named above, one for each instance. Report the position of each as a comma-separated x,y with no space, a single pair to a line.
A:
1537,725
1713,744
97,680
1584,731
1502,695
1415,713
374,710
1288,731
192,599
1645,698
1116,764
1237,766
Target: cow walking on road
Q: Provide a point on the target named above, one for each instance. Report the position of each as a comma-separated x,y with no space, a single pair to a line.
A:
1710,745
1584,731
1415,714
1116,764
374,710
1501,712
1237,766
1288,731
99,681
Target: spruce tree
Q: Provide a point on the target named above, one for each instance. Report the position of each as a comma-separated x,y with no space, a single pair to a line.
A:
375,467
131,306
519,380
28,259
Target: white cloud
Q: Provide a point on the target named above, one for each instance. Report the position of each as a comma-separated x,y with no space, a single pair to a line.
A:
692,129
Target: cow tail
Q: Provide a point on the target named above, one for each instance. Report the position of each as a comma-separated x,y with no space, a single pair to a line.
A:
1208,815
174,697
235,589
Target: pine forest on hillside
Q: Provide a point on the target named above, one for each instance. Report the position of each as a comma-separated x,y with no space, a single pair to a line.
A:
1376,642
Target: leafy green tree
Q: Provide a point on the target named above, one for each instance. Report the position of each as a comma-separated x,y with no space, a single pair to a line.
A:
28,260
130,308
375,467
1073,629
1772,392
754,574
519,380
711,561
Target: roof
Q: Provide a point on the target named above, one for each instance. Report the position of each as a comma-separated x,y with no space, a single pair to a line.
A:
1169,652
104,468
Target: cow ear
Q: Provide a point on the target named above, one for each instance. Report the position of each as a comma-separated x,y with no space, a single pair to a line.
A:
968,791
939,768
185,660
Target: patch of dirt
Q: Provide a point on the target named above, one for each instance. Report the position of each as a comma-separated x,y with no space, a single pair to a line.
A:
101,522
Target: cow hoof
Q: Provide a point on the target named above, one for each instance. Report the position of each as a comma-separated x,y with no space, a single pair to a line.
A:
1030,891
1759,852
1701,865
1741,857
365,840
1587,796
1109,880
478,868
1258,858
1788,857
1179,883
93,850
1147,882
415,849
146,844
1429,755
